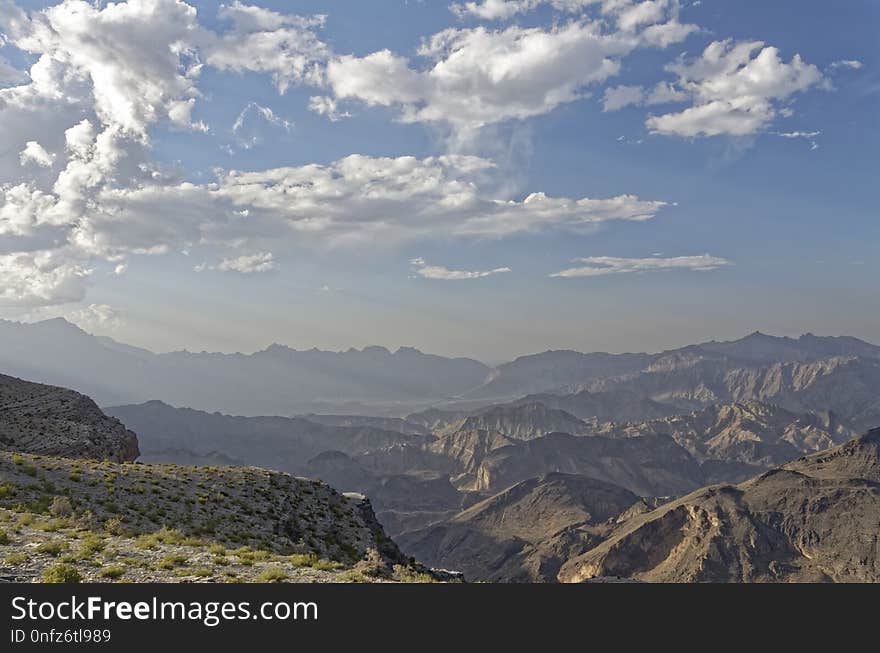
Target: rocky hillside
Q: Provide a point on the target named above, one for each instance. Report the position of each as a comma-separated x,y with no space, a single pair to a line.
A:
814,519
44,419
651,465
736,441
149,523
620,406
846,386
521,421
519,535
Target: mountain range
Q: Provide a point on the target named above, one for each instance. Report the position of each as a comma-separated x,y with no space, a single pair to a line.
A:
800,374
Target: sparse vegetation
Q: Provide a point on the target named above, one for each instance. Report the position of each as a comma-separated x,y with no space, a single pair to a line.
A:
61,573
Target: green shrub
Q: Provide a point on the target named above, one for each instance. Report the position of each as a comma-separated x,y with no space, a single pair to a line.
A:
171,561
91,545
52,548
272,575
61,573
14,559
112,573
4,538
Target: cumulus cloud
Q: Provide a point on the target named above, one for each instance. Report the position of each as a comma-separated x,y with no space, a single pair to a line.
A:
438,272
477,77
36,154
43,278
266,41
735,89
598,266
245,264
504,9
377,199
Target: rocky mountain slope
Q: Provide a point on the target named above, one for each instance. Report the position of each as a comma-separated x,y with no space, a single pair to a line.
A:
736,441
619,406
514,536
521,421
846,386
49,420
650,465
814,519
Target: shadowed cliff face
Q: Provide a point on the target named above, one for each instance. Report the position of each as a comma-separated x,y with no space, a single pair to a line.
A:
814,519
55,421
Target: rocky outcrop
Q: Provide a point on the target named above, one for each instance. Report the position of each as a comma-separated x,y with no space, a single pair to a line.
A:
521,421
48,420
751,434
652,465
814,519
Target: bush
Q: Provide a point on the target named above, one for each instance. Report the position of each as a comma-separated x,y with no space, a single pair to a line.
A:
114,526
61,573
14,559
272,575
112,573
171,561
52,548
91,544
61,507
4,538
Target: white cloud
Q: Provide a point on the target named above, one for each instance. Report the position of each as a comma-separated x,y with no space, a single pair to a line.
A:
107,75
732,91
852,64
617,97
797,134
326,106
246,264
249,132
36,154
268,42
365,199
504,9
423,269
96,318
477,77
597,266
40,278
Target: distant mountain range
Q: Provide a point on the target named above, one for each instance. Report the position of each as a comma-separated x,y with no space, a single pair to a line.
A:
800,374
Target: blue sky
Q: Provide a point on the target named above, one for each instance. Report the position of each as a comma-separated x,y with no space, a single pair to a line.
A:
696,171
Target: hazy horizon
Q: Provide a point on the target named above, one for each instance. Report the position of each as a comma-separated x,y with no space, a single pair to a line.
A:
394,347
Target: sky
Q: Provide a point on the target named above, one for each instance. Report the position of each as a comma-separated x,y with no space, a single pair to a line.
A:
484,179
